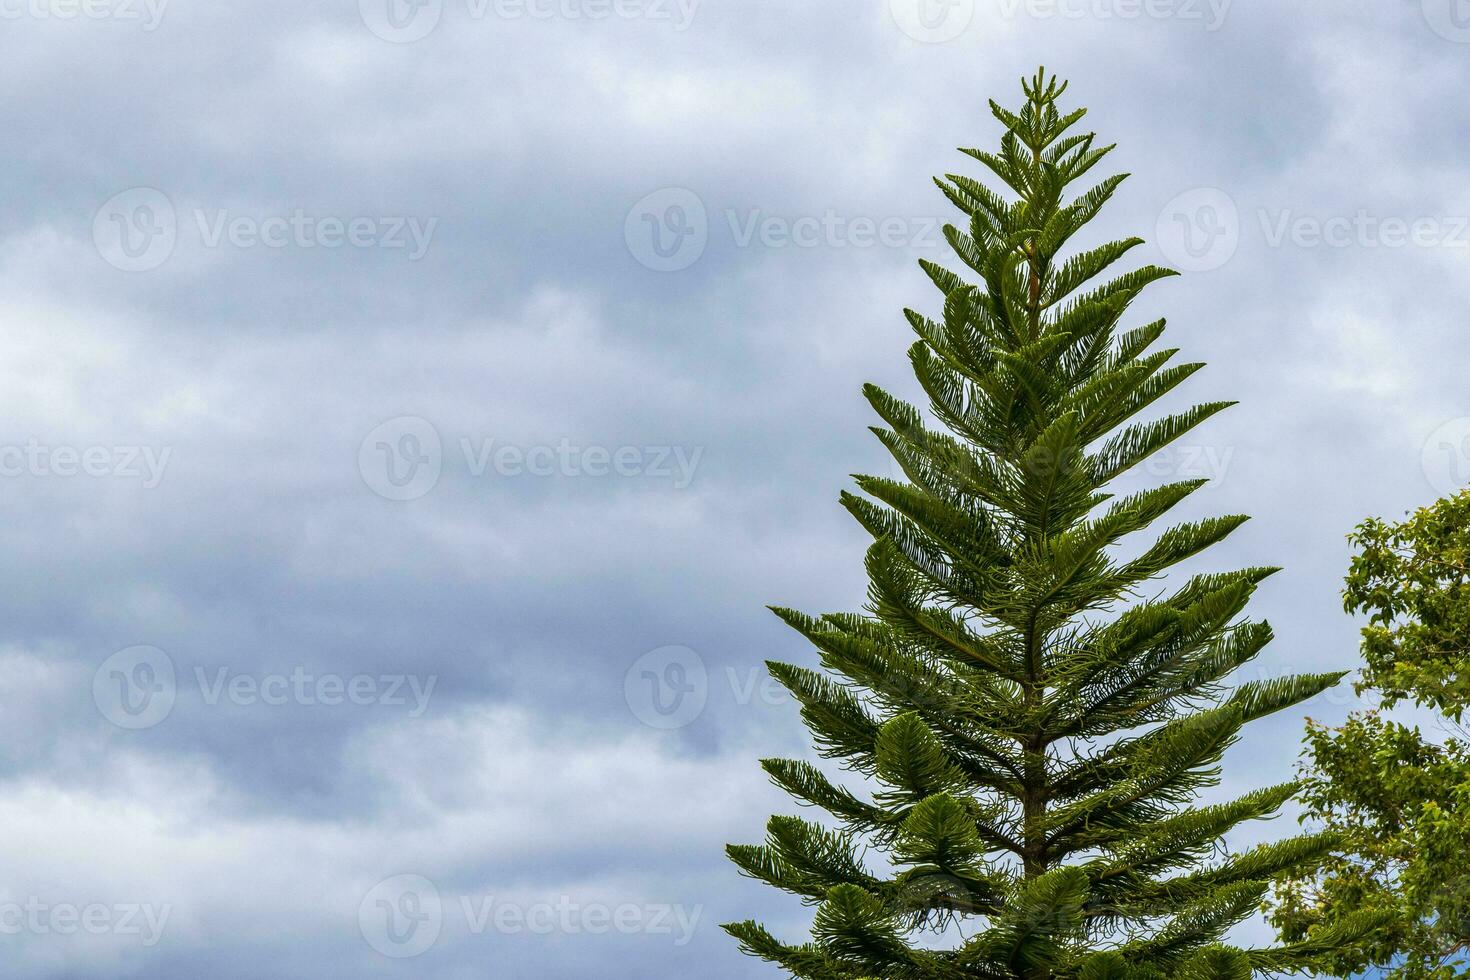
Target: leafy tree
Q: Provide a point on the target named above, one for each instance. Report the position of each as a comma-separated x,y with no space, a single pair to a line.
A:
1031,760
1399,802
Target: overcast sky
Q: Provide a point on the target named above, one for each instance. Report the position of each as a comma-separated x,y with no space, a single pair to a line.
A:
407,411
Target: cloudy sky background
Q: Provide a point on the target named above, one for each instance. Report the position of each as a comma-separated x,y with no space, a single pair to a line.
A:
656,435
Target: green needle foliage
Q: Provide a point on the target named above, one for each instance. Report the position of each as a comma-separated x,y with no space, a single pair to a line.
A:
1399,801
1029,762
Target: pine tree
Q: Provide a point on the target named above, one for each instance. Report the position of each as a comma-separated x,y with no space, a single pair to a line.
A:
1031,761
